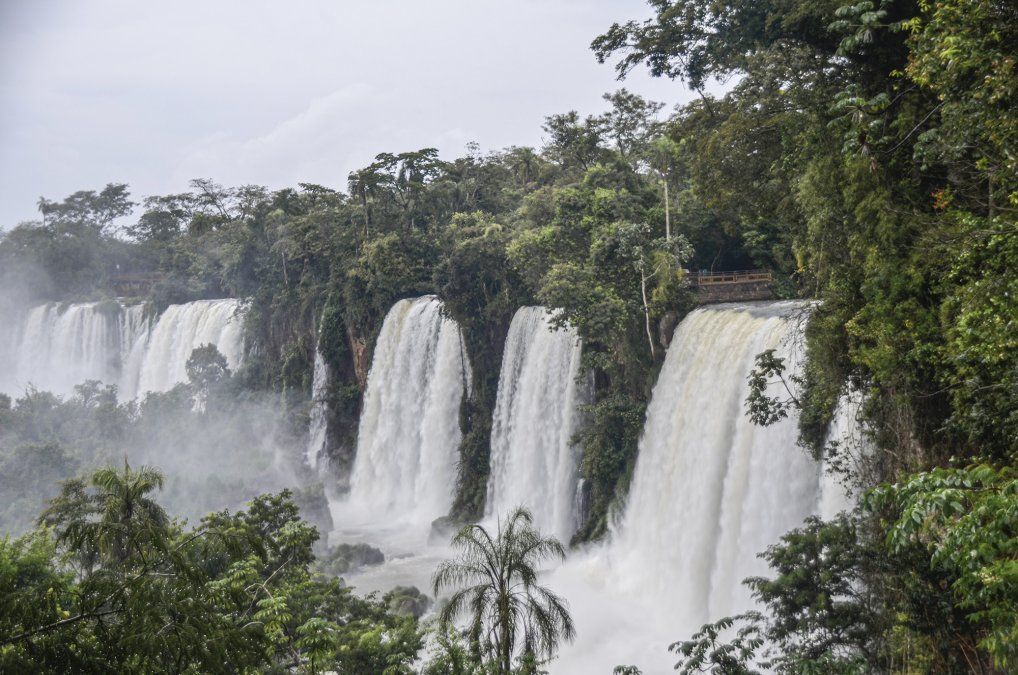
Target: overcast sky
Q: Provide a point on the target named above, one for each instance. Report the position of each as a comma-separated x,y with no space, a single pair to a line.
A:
274,93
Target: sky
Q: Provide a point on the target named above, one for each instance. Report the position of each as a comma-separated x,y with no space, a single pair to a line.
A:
273,93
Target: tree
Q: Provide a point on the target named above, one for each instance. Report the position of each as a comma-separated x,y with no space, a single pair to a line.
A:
364,185
164,218
653,259
632,124
116,520
406,174
967,518
510,614
206,370
86,208
109,584
574,142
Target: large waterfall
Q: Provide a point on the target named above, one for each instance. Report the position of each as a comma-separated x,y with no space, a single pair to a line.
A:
409,434
533,460
60,345
710,491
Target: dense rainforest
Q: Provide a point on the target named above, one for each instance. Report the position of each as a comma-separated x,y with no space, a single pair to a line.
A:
866,154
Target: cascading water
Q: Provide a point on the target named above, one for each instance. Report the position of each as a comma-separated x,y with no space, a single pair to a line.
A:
160,357
847,437
710,491
533,460
62,345
409,435
317,427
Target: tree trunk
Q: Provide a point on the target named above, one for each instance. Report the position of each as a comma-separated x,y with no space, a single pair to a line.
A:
668,215
646,313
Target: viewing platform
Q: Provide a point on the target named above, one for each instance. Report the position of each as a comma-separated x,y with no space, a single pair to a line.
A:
734,286
133,285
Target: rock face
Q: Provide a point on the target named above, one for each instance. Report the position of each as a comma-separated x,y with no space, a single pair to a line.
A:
361,362
347,558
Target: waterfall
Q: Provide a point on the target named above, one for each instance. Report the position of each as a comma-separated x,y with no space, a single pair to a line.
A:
848,433
711,489
405,467
319,409
61,345
159,358
533,460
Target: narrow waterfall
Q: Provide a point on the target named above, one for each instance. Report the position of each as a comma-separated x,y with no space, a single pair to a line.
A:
61,345
158,360
317,427
405,467
847,432
711,489
533,460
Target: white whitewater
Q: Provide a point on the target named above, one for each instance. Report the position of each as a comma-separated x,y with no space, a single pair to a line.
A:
158,360
409,434
59,345
319,412
533,460
710,490
404,473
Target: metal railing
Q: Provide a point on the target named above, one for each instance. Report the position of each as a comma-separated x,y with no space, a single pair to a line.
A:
734,277
133,283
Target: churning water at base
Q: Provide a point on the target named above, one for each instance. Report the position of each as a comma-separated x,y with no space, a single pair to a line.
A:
409,434
710,490
60,345
534,462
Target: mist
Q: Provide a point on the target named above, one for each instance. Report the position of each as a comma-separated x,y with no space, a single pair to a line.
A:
217,444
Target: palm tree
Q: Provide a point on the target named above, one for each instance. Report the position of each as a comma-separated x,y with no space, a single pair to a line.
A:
497,586
115,519
127,515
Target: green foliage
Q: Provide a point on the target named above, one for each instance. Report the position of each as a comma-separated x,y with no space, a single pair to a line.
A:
481,292
206,370
761,408
610,442
706,653
967,519
111,584
980,350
